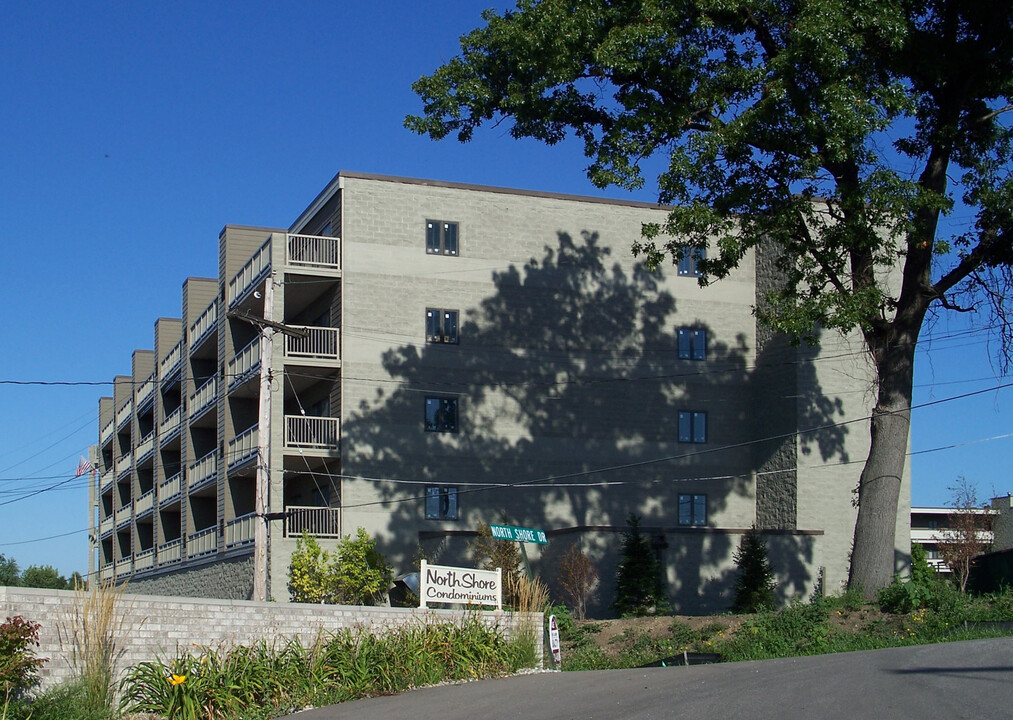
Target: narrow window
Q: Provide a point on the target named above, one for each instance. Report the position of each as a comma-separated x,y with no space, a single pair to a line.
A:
692,426
441,502
441,326
693,510
441,237
689,260
441,414
692,343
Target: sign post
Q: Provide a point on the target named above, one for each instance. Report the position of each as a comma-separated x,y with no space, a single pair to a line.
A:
554,641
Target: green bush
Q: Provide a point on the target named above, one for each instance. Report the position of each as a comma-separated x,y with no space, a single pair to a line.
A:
357,573
799,629
639,589
63,702
754,586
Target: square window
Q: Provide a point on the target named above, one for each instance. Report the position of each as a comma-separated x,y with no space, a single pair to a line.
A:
441,326
441,237
441,502
689,260
692,426
441,414
693,510
692,344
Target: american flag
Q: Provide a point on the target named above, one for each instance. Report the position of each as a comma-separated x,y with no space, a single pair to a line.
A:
83,466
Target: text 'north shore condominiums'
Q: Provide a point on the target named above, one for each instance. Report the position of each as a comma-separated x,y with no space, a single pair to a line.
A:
416,357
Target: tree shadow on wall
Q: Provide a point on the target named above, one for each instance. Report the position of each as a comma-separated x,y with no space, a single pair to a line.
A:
568,384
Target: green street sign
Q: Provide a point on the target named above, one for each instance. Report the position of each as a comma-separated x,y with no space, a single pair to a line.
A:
518,534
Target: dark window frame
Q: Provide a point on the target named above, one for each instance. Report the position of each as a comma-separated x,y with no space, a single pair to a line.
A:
445,414
692,343
695,505
443,237
696,430
442,502
689,260
442,329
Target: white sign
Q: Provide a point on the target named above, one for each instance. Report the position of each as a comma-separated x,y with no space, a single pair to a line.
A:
444,584
554,640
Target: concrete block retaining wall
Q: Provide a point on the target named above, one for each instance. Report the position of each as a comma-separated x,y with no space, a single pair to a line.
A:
155,626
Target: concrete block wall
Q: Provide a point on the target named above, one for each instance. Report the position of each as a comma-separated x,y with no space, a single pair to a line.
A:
152,627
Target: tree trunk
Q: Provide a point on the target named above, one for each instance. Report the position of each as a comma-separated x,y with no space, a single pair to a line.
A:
872,556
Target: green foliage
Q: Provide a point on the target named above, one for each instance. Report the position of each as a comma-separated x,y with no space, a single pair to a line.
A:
754,586
9,573
18,665
43,576
639,589
490,553
68,701
357,574
921,571
799,629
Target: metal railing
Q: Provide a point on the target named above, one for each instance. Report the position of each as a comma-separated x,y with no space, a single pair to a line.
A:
123,413
107,430
321,343
243,446
145,502
144,559
171,424
123,462
146,389
204,397
319,521
202,542
170,488
313,251
240,531
171,362
203,470
203,325
246,361
311,432
107,479
254,269
146,445
170,552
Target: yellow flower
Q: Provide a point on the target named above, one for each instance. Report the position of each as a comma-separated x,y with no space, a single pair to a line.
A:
177,679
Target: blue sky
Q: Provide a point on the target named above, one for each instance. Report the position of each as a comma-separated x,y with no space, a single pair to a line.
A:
133,131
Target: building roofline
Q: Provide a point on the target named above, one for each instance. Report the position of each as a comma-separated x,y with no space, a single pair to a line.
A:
336,184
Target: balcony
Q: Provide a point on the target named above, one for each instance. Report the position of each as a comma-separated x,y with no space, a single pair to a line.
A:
170,426
144,559
170,488
321,343
107,480
240,531
107,430
171,362
246,362
170,552
123,463
146,445
145,503
203,471
251,274
124,565
204,398
146,390
202,326
105,526
319,433
123,414
203,542
123,516
313,252
243,447
322,522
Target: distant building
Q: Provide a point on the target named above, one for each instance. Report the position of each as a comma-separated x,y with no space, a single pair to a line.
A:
929,526
445,355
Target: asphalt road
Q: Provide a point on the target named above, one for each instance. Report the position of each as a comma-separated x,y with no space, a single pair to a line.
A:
971,679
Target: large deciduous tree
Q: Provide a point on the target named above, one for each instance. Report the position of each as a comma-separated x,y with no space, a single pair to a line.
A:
841,132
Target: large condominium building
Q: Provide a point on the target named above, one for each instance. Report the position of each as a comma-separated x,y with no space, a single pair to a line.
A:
416,357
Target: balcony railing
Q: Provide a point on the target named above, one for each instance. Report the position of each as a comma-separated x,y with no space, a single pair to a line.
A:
146,445
203,325
171,362
123,565
123,414
240,531
123,462
203,470
144,559
170,488
145,502
107,479
146,389
170,425
202,542
204,397
243,447
311,432
312,251
254,269
123,515
170,552
318,521
246,361
106,525
321,343
107,430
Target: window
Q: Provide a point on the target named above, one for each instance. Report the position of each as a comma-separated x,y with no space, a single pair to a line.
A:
441,326
441,237
441,414
692,344
689,260
692,426
693,510
441,502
